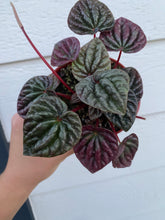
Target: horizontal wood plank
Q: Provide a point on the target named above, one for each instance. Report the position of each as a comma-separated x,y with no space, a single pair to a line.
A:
157,214
118,199
72,192
46,24
149,62
150,155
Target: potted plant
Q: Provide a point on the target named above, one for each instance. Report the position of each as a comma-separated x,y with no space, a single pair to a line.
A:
90,97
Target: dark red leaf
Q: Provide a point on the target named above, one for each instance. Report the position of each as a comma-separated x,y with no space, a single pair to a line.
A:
65,51
74,99
126,152
125,36
136,84
96,148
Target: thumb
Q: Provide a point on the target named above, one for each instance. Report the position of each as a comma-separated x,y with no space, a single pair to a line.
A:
17,123
16,139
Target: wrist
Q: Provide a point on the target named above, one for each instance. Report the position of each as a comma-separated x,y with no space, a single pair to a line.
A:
15,182
13,193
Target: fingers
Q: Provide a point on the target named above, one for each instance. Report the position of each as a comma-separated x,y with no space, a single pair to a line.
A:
17,123
16,140
70,152
62,157
16,128
59,159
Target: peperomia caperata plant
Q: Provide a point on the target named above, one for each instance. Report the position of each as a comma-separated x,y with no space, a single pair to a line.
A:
90,97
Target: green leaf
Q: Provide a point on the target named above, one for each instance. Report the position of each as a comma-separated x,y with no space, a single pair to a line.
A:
126,152
94,113
49,129
93,57
35,88
125,122
74,99
136,84
107,91
89,17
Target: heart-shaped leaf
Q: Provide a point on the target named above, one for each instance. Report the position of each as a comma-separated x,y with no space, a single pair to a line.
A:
49,129
74,99
94,113
125,36
125,122
96,148
65,51
136,84
126,152
93,58
107,91
36,87
89,17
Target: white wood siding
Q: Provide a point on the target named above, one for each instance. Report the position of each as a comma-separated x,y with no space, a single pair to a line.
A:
72,193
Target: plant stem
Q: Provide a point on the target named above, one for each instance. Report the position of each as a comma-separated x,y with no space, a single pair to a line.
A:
139,117
97,122
113,129
116,65
94,35
63,95
37,51
78,108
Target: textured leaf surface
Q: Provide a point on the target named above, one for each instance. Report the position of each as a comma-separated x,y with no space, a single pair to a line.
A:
36,87
96,148
136,84
93,57
107,91
94,113
127,151
74,99
89,17
65,51
49,129
125,35
125,122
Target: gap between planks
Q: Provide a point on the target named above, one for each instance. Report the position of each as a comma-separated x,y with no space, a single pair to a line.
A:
96,182
48,56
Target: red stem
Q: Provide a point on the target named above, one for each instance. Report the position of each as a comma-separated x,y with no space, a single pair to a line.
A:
37,51
78,108
113,129
97,122
139,117
116,65
94,35
63,95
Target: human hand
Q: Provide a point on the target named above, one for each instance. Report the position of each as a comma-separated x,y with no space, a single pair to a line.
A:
22,173
26,169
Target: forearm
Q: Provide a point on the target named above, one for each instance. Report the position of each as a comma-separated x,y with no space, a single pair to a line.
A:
22,173
13,193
